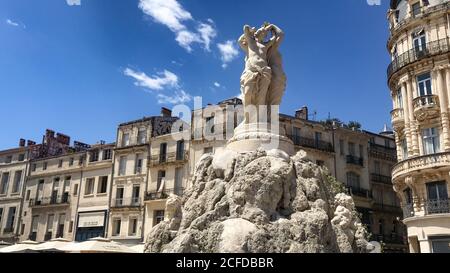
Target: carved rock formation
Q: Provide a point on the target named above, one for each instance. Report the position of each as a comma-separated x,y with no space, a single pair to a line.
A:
259,202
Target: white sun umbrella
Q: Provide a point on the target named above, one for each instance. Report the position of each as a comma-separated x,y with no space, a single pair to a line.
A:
25,246
97,245
53,245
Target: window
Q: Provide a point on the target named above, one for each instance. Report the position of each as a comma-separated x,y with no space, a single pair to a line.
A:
377,167
116,227
361,151
136,194
437,191
60,227
33,167
161,178
387,143
408,196
21,157
430,139
4,184
10,220
342,146
44,166
404,149
71,161
22,229
17,179
132,228
28,195
34,223
119,196
125,139
179,181
163,152
415,9
351,148
50,221
107,154
89,188
8,159
142,136
60,163
296,133
93,156
400,99
102,184
81,160
209,130
122,165
138,164
75,190
353,180
71,227
159,217
1,215
180,150
424,85
208,150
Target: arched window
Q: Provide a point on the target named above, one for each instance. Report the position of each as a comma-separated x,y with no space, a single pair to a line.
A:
353,180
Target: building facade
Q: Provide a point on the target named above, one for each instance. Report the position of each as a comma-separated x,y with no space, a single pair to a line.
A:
13,172
419,80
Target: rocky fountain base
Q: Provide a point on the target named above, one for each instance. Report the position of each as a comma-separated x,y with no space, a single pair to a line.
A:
259,202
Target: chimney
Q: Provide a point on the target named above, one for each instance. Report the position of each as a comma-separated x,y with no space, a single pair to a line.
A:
302,113
30,143
63,139
22,142
49,134
166,113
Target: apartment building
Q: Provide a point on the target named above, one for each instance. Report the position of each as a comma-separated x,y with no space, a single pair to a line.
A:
94,196
13,170
419,80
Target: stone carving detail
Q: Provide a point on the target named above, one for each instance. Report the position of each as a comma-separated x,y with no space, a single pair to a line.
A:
263,202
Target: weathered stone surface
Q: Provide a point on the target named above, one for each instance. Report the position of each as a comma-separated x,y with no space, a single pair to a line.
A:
259,202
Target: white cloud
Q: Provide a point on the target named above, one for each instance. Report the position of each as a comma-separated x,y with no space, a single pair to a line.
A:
11,23
228,52
216,84
73,2
156,82
159,82
172,14
177,98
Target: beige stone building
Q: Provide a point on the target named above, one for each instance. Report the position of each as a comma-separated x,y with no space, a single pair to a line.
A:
94,197
52,189
13,170
419,80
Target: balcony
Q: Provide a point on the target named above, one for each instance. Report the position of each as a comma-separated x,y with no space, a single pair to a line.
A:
162,195
408,211
421,163
398,119
134,202
354,160
383,152
416,54
380,206
437,206
169,158
426,107
378,178
60,200
389,239
8,230
353,191
312,143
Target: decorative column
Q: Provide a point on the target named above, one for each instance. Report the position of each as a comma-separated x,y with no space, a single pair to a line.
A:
447,84
411,90
398,143
406,114
443,105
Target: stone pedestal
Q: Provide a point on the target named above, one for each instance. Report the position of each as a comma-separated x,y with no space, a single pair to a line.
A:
251,137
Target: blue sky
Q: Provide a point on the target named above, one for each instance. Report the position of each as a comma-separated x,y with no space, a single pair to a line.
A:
81,67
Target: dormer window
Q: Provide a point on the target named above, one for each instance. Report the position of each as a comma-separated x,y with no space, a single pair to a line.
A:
125,140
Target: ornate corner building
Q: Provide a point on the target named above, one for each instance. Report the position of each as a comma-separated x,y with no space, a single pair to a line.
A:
419,80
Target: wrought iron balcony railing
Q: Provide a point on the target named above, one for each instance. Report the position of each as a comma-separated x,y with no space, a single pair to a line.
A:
359,192
161,195
416,54
126,202
168,158
408,211
381,178
437,206
383,152
51,201
354,160
312,143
